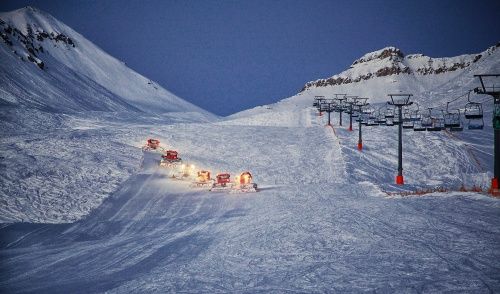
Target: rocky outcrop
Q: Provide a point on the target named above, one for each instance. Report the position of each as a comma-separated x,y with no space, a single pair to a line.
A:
391,53
31,41
391,61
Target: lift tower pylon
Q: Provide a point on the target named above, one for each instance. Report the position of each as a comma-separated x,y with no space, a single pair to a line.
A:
493,91
400,100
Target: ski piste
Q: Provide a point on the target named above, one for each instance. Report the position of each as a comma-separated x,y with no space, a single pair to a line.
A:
303,229
84,209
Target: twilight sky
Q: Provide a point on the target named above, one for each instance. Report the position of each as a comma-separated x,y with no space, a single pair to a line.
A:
227,56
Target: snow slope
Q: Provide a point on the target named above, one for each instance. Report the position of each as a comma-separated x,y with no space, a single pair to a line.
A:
56,88
58,167
62,71
430,159
311,228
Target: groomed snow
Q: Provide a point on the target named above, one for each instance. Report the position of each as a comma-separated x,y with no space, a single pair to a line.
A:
315,226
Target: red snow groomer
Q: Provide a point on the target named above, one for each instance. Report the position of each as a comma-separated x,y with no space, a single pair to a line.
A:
222,183
203,180
151,144
244,183
170,159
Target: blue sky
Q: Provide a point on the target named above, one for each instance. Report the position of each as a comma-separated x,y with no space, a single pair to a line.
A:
227,56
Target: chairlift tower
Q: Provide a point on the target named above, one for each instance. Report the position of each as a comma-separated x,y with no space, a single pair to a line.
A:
318,100
350,100
340,105
495,93
328,107
400,100
360,103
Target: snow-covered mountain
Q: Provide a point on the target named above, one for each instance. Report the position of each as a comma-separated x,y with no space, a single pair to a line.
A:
411,73
432,81
46,65
390,61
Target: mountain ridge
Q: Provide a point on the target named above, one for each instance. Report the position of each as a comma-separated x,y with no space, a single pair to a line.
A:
71,73
391,61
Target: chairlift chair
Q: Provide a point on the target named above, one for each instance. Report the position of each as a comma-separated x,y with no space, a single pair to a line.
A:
475,124
415,116
474,114
458,127
380,118
473,110
451,120
407,122
426,121
418,126
389,112
371,120
370,112
437,124
363,119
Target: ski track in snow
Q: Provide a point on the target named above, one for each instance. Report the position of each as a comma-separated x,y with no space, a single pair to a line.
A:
312,228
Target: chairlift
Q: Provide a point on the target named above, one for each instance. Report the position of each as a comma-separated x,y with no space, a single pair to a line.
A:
459,127
418,126
389,112
370,112
474,114
389,122
406,114
367,109
355,112
407,122
341,107
371,120
415,116
452,120
380,118
473,110
476,124
427,119
437,124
